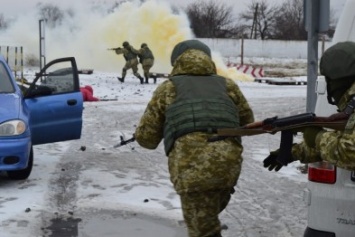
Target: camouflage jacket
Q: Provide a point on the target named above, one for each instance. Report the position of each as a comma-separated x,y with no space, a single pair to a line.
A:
336,147
128,54
146,57
194,163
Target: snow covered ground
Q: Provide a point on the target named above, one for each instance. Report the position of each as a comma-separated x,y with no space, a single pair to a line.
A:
133,182
126,191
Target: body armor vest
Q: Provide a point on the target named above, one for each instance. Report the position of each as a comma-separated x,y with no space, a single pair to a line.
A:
201,105
129,55
147,53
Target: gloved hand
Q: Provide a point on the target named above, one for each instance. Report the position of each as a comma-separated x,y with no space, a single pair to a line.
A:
310,134
271,163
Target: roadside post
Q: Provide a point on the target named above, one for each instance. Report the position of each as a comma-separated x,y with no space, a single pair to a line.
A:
42,48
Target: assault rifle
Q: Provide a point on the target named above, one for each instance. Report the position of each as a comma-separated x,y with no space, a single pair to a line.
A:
105,99
124,142
288,126
114,48
273,125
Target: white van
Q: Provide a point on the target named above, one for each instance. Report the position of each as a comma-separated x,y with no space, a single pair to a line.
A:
330,192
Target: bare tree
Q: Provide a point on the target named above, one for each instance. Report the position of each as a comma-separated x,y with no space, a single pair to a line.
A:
211,19
332,23
259,19
289,21
52,13
3,22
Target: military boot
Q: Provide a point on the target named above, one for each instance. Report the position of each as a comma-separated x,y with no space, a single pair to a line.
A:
121,79
216,235
141,79
155,80
146,80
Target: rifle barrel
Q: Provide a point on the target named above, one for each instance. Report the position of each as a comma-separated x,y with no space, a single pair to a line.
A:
124,142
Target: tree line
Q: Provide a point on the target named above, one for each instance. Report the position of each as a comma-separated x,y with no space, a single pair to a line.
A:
261,20
214,19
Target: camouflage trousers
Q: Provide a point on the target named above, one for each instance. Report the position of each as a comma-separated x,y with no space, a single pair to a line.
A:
147,64
146,69
133,66
201,210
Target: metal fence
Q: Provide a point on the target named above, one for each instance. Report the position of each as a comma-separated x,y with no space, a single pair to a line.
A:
14,58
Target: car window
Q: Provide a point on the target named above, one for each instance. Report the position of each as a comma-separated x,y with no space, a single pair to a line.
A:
58,78
6,85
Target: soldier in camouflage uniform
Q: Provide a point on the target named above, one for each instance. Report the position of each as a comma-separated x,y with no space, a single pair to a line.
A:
336,147
131,61
186,111
146,58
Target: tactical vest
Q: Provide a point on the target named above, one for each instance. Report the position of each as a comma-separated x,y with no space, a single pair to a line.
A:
129,55
147,53
201,105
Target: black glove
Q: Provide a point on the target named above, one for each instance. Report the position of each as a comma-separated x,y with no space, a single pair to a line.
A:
271,163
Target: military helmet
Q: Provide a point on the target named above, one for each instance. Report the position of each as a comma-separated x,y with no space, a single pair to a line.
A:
125,44
337,65
144,45
181,47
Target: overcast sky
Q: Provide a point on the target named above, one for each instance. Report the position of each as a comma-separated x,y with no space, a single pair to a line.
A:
11,7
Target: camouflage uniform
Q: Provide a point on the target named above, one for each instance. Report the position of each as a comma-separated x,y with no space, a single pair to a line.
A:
146,58
131,62
336,147
203,173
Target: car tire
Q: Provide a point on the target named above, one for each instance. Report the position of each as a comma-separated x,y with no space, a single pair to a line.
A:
22,174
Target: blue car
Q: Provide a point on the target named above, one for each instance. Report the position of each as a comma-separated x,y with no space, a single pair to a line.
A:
43,110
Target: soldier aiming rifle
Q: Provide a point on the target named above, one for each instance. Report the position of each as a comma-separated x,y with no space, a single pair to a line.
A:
131,61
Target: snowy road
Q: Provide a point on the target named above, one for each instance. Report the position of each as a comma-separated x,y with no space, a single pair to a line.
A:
106,192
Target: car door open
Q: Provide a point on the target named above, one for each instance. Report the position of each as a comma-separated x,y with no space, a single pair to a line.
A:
55,103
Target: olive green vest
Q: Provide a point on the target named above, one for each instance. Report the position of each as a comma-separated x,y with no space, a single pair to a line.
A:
147,53
129,55
201,105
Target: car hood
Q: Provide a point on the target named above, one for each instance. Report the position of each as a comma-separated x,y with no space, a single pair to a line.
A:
10,106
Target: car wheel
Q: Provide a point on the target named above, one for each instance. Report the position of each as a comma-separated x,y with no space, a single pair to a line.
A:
22,174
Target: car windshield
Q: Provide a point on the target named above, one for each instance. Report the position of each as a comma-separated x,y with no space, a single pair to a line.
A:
6,85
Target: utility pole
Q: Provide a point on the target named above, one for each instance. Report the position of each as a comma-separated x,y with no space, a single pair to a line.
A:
316,14
253,27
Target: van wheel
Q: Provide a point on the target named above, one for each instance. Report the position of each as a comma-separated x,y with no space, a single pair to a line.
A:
22,174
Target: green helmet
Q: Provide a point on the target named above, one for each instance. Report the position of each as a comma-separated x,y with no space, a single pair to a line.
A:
337,65
181,47
144,45
125,44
